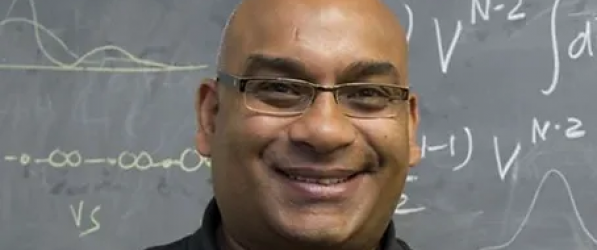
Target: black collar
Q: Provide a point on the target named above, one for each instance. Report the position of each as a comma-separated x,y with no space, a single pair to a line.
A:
205,237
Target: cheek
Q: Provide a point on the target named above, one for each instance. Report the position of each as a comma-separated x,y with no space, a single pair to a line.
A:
261,130
389,141
244,138
388,138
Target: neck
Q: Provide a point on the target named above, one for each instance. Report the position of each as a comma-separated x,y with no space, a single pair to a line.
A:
226,242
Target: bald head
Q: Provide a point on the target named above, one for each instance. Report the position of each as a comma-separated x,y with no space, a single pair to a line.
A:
256,151
313,30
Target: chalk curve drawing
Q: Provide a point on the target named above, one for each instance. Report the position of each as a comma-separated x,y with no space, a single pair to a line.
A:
125,160
579,218
81,62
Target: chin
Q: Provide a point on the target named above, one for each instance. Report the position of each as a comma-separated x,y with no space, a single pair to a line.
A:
310,235
315,228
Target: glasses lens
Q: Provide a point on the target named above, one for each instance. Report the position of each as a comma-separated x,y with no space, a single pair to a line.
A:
277,96
369,100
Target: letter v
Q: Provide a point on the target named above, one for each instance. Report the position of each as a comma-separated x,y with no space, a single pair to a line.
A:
77,214
446,57
503,169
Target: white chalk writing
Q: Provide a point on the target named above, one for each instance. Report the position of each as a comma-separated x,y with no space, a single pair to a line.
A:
450,145
527,216
445,58
484,10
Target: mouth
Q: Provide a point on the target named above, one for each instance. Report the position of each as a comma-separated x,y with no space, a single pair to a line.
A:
314,184
319,180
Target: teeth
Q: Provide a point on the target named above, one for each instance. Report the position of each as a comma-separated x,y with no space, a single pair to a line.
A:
327,181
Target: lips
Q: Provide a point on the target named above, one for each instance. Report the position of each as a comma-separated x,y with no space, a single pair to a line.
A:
320,181
321,177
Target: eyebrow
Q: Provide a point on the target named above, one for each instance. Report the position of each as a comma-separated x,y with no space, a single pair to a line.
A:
295,68
257,62
363,69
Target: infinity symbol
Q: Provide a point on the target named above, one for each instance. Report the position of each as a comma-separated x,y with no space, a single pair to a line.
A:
125,160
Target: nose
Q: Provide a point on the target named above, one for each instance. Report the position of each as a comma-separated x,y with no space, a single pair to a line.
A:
323,128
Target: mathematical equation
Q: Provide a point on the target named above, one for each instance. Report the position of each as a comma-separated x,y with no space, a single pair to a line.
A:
125,160
571,128
483,10
190,160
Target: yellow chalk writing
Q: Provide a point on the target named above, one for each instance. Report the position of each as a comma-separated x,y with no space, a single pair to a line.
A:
189,160
77,217
82,63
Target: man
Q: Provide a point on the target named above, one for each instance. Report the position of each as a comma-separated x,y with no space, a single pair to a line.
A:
310,128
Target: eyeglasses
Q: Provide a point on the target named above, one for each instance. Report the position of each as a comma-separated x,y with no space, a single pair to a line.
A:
289,97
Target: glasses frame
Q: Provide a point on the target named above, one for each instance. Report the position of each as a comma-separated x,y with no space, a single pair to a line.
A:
241,83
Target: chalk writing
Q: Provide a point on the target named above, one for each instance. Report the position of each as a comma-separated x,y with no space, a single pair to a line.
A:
484,11
579,46
574,131
125,160
400,208
404,211
78,214
504,168
539,132
411,23
426,147
481,10
445,58
524,222
515,14
81,63
555,50
582,43
411,178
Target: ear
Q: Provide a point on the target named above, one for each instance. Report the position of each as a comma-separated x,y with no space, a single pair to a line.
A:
206,108
413,126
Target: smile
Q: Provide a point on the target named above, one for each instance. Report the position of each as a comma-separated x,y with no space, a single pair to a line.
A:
321,181
319,185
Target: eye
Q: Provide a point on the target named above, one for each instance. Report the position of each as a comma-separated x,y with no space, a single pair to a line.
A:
368,92
365,98
365,92
280,94
275,86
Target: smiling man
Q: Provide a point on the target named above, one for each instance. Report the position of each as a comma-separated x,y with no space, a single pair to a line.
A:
310,127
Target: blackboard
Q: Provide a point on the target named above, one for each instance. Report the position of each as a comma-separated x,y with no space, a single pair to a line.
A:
97,122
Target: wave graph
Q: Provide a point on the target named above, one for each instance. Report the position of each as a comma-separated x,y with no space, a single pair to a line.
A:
82,63
579,218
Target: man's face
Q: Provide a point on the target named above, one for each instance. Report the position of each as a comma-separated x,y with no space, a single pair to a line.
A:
253,153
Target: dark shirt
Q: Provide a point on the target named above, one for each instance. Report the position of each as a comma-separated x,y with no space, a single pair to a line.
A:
205,237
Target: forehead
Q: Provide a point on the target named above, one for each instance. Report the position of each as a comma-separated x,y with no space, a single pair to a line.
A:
325,39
